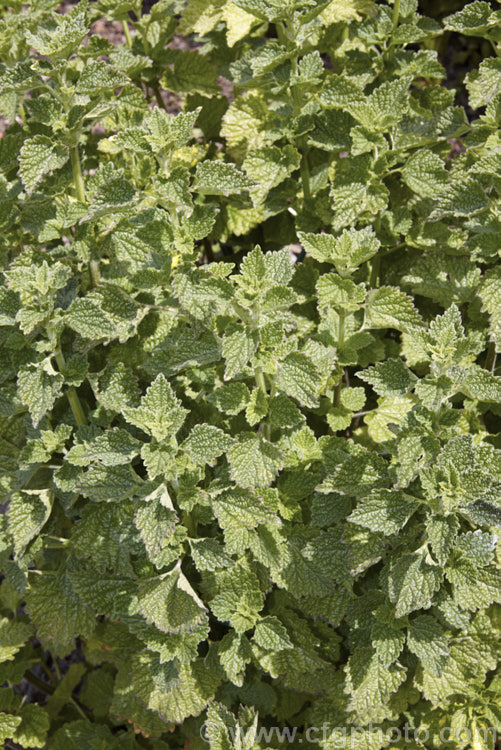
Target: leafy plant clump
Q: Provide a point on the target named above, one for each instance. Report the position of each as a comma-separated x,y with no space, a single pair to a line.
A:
249,407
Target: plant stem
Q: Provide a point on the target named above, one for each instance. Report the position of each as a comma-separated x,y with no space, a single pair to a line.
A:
259,375
375,266
396,15
36,682
77,173
340,342
74,401
95,274
79,708
80,188
190,522
48,673
209,254
127,35
158,96
490,360
305,177
261,384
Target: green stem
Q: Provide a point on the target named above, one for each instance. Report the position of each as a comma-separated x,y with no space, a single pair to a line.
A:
95,273
259,375
490,360
127,35
396,15
79,708
80,188
74,401
158,96
340,342
36,682
305,177
77,173
375,266
261,384
48,673
190,522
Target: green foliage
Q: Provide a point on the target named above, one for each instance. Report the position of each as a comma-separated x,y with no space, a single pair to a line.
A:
249,401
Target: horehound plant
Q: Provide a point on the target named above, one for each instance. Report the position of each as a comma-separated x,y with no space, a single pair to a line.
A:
245,487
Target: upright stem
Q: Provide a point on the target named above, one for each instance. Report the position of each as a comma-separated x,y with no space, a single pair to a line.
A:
77,174
95,273
127,35
158,96
297,103
261,384
396,15
340,342
39,684
375,266
305,177
259,375
490,360
80,189
74,401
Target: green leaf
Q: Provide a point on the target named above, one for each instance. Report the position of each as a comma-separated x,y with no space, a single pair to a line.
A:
384,510
115,386
192,73
155,519
74,735
271,635
472,20
40,156
368,682
298,377
442,531
218,178
480,384
170,603
254,462
28,512
424,173
205,443
341,294
112,448
347,252
484,84
388,307
105,313
234,653
34,726
13,636
231,398
174,695
268,167
412,583
108,483
59,39
426,639
8,725
489,291
160,413
57,612
464,198
38,387
238,348
169,132
239,509
239,599
389,378
97,77
388,642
